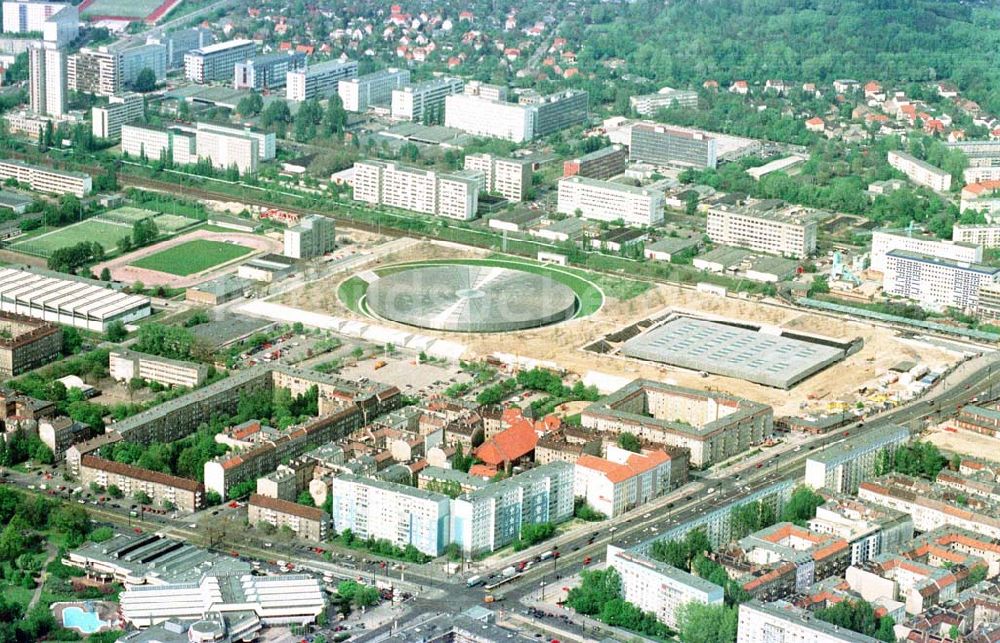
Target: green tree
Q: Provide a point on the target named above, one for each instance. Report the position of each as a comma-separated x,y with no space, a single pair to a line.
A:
105,274
142,497
629,442
250,105
801,506
701,623
116,331
145,81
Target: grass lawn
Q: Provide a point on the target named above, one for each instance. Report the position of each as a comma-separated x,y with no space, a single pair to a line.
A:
193,256
104,233
128,214
123,8
170,223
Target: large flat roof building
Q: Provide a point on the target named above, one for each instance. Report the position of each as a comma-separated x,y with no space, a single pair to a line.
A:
609,201
934,283
27,343
782,621
733,351
424,101
318,81
509,177
125,365
43,179
712,425
95,71
649,104
842,467
920,172
217,62
886,240
107,121
71,302
451,195
361,92
604,163
270,72
768,225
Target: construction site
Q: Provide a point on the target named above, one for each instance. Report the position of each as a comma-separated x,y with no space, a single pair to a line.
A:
851,366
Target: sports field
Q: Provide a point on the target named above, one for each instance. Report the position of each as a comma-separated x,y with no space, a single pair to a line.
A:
128,214
171,223
122,8
105,233
192,256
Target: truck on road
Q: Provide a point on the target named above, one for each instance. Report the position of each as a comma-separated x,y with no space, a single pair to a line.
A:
473,581
508,572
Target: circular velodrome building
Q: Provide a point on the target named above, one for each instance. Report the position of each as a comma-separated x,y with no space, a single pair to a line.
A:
470,299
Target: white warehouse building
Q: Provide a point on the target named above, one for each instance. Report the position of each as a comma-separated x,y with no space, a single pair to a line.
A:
74,302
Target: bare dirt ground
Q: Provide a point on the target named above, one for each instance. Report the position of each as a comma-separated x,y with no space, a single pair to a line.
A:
562,343
10,256
964,443
122,271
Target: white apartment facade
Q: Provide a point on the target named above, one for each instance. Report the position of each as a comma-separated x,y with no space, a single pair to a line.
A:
360,93
842,467
936,284
510,178
986,235
314,236
789,233
106,121
266,147
318,81
400,186
621,481
659,588
45,180
47,84
487,519
782,622
226,151
140,141
401,514
217,62
920,172
125,365
95,71
608,201
415,102
480,116
885,241
649,104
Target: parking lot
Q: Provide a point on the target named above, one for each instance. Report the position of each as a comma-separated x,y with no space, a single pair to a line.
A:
406,372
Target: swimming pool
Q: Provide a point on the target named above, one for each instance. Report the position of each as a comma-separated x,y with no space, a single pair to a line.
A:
86,622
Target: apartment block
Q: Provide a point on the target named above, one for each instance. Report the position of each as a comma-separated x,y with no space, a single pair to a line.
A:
184,494
214,63
42,179
125,365
659,588
869,530
608,201
148,142
768,226
649,104
492,517
318,81
782,621
622,480
308,523
401,514
451,195
27,343
266,146
60,433
30,16
979,419
665,145
712,425
930,505
842,467
510,178
264,73
556,112
47,82
95,71
920,172
107,120
180,41
151,56
604,163
934,283
314,236
424,101
360,93
985,235
886,240
481,116
225,150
